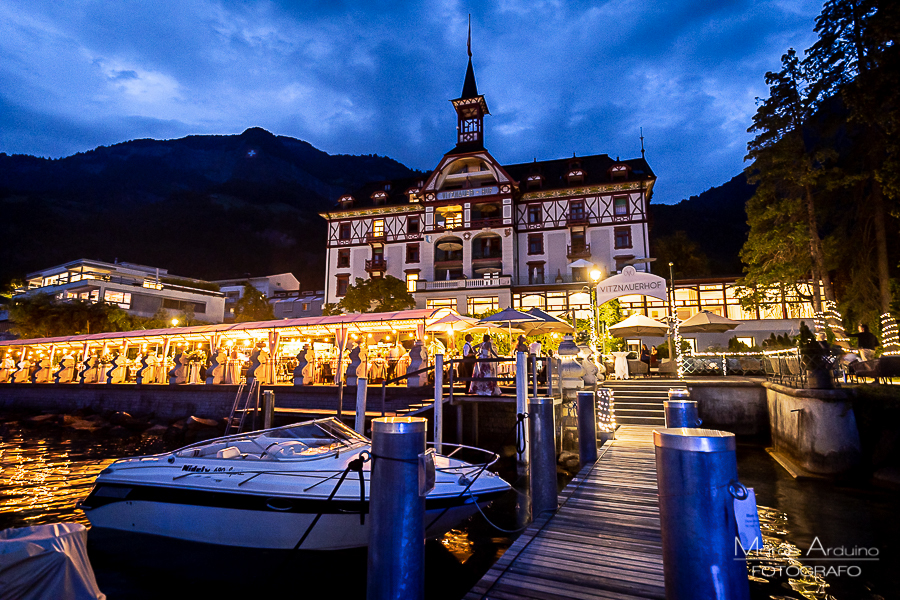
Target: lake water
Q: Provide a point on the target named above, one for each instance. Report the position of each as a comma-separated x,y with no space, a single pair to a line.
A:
43,475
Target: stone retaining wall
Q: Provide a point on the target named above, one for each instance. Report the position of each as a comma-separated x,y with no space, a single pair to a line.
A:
814,428
736,406
175,402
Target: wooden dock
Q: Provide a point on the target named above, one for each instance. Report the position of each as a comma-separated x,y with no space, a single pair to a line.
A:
603,542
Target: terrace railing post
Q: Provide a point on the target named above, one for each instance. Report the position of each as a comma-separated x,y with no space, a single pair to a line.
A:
396,556
542,430
587,427
268,408
362,387
522,402
534,377
438,402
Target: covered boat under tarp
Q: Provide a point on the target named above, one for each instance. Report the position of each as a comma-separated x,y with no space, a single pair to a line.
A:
46,561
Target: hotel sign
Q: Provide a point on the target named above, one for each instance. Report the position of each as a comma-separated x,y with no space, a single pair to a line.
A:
630,282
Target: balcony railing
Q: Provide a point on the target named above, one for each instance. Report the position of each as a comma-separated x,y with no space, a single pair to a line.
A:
376,265
463,284
375,236
577,218
486,223
578,251
551,279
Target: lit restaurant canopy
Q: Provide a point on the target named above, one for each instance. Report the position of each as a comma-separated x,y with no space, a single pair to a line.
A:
406,320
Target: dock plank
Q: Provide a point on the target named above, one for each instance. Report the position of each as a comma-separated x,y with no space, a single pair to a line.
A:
604,541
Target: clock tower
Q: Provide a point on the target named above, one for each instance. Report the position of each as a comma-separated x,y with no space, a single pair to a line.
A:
470,110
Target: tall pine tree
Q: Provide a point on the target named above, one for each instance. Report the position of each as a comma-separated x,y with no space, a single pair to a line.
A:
784,244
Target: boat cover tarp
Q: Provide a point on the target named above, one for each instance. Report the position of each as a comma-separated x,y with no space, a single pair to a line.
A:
46,561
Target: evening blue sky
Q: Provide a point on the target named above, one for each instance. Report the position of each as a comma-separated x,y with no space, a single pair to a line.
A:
375,77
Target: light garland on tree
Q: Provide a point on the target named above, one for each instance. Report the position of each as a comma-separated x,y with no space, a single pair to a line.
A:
890,335
837,327
819,322
606,410
676,333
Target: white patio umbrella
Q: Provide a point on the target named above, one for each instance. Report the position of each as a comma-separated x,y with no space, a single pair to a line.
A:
546,323
451,324
510,317
581,263
637,325
707,322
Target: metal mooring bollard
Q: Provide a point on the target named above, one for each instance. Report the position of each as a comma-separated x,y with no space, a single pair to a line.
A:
543,456
396,569
268,408
587,427
696,470
681,411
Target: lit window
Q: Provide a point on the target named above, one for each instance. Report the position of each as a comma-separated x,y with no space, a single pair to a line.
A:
478,306
411,279
122,299
620,205
432,303
378,228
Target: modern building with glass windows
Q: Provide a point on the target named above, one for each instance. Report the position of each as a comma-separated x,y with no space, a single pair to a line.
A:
138,289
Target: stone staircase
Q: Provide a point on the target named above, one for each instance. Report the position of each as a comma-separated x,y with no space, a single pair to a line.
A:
640,401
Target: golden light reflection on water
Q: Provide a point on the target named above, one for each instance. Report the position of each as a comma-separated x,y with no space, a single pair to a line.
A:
42,481
459,544
779,556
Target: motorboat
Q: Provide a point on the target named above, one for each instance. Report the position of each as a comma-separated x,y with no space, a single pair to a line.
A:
298,487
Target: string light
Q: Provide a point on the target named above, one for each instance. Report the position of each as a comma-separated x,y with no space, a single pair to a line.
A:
606,411
837,323
890,335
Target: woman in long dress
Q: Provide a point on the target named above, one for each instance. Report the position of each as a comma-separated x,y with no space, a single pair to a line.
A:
484,370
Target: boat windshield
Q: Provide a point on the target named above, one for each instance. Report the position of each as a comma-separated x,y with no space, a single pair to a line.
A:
313,438
325,430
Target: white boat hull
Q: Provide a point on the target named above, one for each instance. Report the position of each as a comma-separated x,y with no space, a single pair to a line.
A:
254,529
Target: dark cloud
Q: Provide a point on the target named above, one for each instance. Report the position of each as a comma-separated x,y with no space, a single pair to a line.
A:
375,77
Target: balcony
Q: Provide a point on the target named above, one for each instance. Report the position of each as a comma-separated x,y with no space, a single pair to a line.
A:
376,265
375,237
577,218
463,284
578,251
486,223
549,279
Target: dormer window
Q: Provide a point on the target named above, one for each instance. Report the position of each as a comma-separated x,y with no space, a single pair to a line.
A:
345,201
574,176
379,198
534,182
413,194
618,171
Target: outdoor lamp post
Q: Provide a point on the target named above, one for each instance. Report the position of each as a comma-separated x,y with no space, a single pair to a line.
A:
596,275
174,322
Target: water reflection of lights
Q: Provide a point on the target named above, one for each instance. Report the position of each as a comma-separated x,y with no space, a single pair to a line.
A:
778,564
43,480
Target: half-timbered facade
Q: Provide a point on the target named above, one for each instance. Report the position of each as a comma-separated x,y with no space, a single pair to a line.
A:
474,234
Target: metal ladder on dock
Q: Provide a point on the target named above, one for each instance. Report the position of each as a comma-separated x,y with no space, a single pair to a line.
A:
252,396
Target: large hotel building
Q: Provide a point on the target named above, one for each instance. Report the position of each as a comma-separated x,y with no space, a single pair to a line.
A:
475,234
